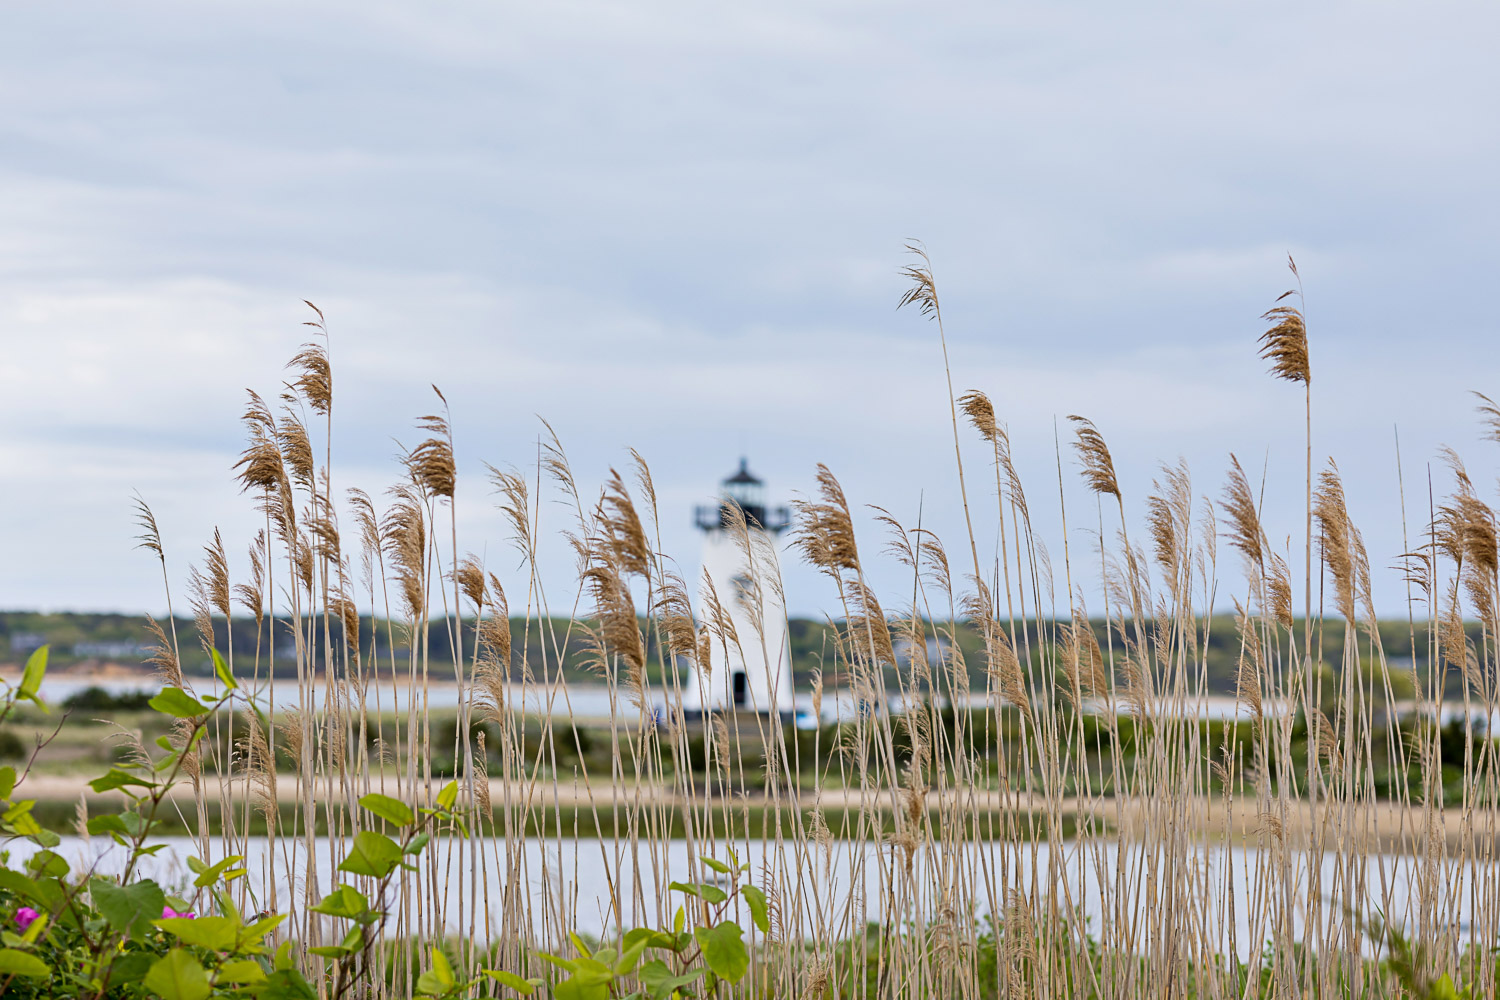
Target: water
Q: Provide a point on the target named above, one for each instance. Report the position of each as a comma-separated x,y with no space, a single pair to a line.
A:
567,882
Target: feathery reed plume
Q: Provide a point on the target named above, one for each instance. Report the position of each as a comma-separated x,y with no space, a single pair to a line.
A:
314,379
1489,417
1279,592
981,413
515,505
618,632
1284,345
674,612
493,669
623,533
825,532
296,450
162,655
1000,656
430,463
718,623
1169,515
923,290
347,614
252,595
150,536
405,534
1338,547
1242,519
1098,466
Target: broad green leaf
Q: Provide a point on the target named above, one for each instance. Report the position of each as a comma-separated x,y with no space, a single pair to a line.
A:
584,986
417,843
47,864
660,981
345,901
7,781
211,875
222,669
630,957
448,796
389,809
213,933
285,984
707,893
264,926
14,962
1443,989
129,909
724,950
116,778
332,951
652,938
108,823
178,703
19,884
31,677
177,976
759,911
716,865
437,980
130,967
525,987
372,854
241,970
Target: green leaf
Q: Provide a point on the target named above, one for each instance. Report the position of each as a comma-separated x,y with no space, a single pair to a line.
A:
243,970
417,843
14,962
108,823
129,909
629,957
116,778
389,809
47,864
7,781
19,884
285,984
177,702
130,968
759,911
589,985
264,926
707,893
213,933
222,669
1443,989
448,796
373,854
211,875
177,976
345,901
525,987
438,980
724,950
660,981
716,865
31,677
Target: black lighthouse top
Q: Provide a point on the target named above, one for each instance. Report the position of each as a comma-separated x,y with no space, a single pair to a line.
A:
747,492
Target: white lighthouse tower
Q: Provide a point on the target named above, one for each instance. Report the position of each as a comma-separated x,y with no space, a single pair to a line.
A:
751,671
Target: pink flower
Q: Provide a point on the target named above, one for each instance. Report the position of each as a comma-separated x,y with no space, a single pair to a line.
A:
24,917
169,912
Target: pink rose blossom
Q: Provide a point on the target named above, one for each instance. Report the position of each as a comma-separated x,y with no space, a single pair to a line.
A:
25,916
169,912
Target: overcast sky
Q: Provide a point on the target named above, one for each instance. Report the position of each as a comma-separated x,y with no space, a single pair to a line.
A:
679,227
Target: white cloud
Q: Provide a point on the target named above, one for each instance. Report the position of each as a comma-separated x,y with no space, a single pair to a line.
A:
678,227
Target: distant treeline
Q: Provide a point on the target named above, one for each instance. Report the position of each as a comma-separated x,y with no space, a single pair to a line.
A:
125,639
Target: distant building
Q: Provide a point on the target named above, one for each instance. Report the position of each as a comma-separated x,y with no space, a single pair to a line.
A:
751,670
111,651
27,642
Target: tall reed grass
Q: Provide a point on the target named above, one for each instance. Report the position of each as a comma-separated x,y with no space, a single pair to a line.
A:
926,852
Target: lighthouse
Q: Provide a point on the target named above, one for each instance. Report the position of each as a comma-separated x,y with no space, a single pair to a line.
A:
750,671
